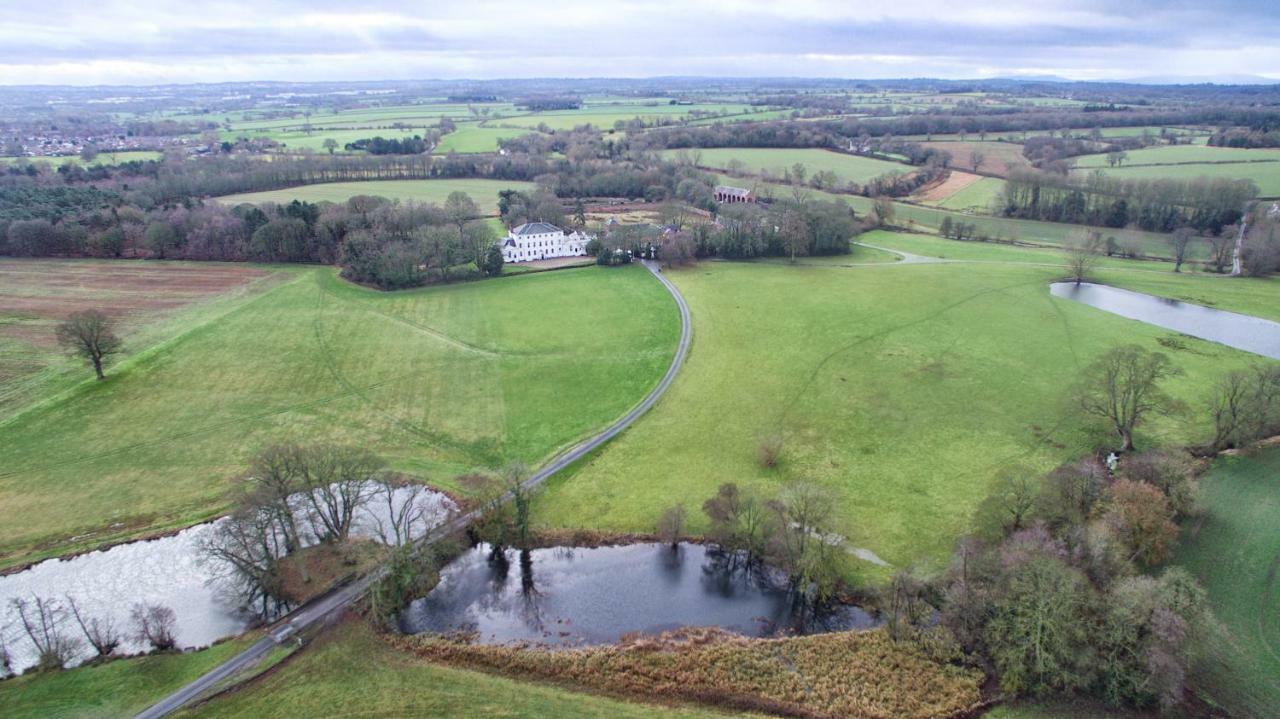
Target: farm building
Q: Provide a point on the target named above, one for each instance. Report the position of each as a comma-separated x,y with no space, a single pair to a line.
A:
726,193
542,241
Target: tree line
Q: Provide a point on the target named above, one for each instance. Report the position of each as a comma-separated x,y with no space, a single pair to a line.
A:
1157,205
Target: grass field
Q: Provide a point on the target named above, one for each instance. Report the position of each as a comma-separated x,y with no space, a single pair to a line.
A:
1235,551
117,689
351,672
1182,154
151,301
1266,175
440,381
475,139
484,192
294,140
604,116
903,405
850,168
977,197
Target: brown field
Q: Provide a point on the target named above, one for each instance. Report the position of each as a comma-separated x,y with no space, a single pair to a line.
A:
36,294
1001,157
955,182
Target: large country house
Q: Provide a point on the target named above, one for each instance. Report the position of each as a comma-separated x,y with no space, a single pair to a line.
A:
542,241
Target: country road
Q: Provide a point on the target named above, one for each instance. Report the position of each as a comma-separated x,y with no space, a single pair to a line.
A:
318,610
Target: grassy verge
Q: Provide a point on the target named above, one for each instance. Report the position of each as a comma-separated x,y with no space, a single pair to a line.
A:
847,674
115,689
352,672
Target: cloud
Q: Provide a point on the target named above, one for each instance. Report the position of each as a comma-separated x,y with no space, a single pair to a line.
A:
148,41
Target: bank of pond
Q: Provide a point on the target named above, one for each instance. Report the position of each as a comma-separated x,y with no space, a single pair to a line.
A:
1243,332
558,596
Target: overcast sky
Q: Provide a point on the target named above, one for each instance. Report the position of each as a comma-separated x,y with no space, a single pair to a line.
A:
148,41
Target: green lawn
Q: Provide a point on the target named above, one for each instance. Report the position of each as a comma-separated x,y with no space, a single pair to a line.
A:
120,688
977,197
1235,551
484,192
1182,154
902,388
440,381
1266,175
849,168
350,672
297,139
476,139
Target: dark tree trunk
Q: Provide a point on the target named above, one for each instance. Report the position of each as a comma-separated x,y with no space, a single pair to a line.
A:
97,367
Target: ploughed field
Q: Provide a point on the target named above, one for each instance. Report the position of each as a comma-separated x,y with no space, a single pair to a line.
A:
902,388
441,381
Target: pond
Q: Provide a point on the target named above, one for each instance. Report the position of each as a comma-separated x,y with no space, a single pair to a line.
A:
170,571
576,596
1243,332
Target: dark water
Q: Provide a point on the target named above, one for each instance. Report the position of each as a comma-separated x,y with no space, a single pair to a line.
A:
1243,332
596,595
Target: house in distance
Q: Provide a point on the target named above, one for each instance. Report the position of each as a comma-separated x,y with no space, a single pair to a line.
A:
728,194
542,241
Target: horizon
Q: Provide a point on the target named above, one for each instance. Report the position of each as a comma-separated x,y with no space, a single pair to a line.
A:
146,43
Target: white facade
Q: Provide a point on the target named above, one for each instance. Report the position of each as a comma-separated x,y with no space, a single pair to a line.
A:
542,241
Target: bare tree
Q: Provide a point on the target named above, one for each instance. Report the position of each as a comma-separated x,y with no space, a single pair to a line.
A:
43,620
769,451
1179,240
90,335
1123,387
99,631
154,624
1082,256
801,545
976,159
274,479
513,480
794,232
404,512
671,525
336,483
245,549
1245,407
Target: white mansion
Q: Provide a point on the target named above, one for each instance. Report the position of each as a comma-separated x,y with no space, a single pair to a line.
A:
542,241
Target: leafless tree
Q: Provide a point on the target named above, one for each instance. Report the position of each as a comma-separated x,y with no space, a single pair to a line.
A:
976,159
794,232
404,512
1082,254
769,451
336,483
1123,387
154,624
90,335
273,481
43,620
245,549
521,496
671,525
1179,240
1245,406
100,632
801,545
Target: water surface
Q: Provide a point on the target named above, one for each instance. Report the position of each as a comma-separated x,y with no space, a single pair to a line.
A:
1243,332
570,596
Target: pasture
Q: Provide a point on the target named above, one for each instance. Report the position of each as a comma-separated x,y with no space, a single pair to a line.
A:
903,405
440,381
1234,549
1266,175
976,197
150,301
1182,155
770,162
484,192
469,139
294,140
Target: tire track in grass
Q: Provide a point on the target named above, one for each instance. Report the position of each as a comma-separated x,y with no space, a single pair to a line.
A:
327,356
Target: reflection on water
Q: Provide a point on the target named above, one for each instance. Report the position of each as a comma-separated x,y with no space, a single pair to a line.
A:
1243,332
167,571
596,595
